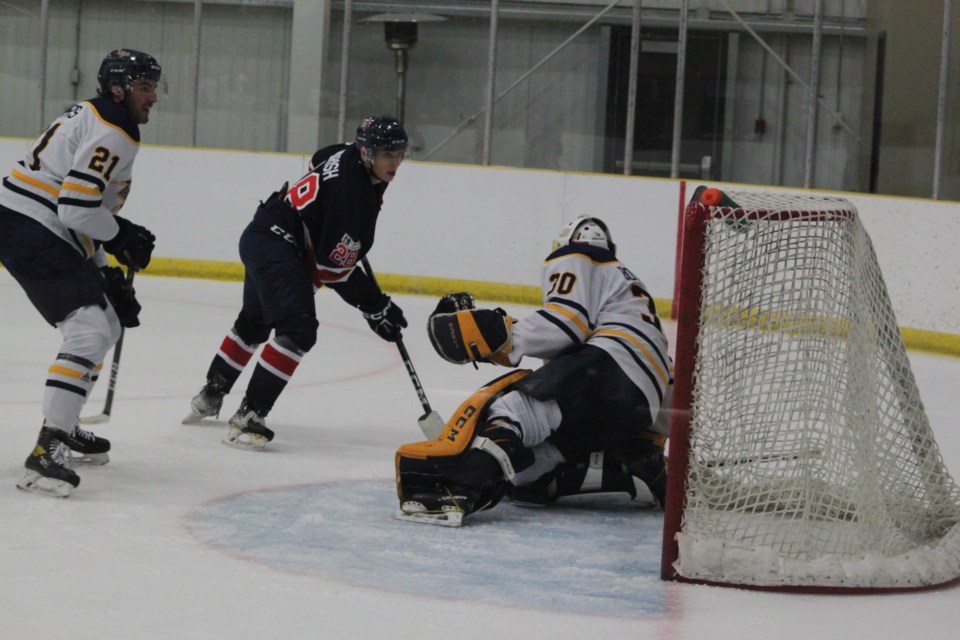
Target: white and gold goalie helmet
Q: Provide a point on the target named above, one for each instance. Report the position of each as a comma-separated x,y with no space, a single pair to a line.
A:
586,230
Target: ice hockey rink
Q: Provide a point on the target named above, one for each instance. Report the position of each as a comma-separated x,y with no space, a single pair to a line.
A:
182,537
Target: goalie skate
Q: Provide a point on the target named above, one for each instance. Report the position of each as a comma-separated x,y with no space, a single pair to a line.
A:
440,506
412,511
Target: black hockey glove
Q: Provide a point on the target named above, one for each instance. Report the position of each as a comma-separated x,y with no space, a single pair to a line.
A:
132,246
122,296
385,318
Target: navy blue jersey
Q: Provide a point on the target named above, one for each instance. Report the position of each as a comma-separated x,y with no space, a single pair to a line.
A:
331,216
338,205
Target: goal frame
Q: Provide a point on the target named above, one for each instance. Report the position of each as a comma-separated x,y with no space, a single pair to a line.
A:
690,264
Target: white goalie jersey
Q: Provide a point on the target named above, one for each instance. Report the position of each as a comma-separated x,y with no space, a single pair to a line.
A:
77,174
590,297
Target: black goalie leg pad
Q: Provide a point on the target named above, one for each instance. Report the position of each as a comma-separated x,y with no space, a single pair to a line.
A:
601,473
645,460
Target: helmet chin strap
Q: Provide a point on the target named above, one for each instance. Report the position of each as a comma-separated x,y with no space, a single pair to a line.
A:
368,163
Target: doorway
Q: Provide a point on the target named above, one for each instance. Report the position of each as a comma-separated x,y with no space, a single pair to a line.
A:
703,104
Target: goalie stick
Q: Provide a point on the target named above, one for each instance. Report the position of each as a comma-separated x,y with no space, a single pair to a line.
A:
430,422
104,416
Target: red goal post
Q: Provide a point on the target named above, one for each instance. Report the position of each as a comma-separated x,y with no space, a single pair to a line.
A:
800,456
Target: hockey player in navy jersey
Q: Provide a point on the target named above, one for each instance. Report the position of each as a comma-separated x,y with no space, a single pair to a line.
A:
585,421
311,234
58,215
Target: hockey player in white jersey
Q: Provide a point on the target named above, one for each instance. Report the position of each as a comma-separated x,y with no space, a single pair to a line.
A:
58,217
546,433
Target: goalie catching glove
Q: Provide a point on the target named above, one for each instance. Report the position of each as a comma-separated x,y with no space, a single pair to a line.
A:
453,302
471,335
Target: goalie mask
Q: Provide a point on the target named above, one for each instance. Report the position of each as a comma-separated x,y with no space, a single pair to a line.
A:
586,230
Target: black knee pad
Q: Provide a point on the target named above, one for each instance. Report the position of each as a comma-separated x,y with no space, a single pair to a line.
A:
300,330
251,332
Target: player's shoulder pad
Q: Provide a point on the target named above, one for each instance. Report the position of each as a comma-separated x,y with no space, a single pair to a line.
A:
596,254
116,114
322,155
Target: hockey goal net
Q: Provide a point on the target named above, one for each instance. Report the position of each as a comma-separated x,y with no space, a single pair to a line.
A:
801,457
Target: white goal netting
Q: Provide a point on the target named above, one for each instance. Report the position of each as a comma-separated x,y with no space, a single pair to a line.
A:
812,462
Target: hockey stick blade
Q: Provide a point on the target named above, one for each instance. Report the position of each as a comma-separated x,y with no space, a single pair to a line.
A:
431,424
100,418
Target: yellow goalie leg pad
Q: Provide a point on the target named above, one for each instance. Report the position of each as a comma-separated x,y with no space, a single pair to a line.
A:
459,430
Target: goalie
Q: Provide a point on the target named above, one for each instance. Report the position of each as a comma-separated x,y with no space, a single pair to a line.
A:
538,434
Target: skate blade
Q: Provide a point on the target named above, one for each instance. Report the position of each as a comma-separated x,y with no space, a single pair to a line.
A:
89,458
196,418
527,504
245,441
442,519
33,481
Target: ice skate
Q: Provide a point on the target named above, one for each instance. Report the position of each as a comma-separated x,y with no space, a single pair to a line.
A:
48,466
248,429
443,506
87,448
207,403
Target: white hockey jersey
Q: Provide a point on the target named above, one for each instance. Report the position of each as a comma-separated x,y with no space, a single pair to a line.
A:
590,297
77,174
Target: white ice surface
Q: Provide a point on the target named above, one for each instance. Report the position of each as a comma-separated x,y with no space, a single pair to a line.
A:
181,537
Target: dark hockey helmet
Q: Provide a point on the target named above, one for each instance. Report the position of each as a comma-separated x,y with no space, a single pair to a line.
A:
124,67
381,133
586,230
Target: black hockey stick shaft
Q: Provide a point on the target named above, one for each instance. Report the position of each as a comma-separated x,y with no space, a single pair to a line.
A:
115,365
414,378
